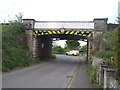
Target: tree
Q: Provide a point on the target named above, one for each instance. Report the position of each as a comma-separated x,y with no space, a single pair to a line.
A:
118,19
58,50
117,51
107,41
19,17
84,48
72,44
17,24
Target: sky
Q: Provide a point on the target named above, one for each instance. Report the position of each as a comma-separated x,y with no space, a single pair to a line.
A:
59,10
62,43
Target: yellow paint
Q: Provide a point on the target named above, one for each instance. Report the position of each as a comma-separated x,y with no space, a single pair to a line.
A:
87,32
36,31
82,32
46,33
49,32
38,34
67,32
72,32
42,33
89,35
58,32
54,32
76,32
33,33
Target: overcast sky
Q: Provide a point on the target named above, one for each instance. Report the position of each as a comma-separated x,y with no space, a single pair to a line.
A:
62,43
60,10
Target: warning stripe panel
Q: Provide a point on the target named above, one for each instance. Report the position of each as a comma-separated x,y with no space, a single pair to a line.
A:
55,32
72,32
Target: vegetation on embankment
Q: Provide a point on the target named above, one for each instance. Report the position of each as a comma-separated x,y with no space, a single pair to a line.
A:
0,47
14,47
103,48
103,44
107,45
117,51
91,72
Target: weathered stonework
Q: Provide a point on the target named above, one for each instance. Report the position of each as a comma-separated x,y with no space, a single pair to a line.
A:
106,77
38,46
90,47
110,78
101,73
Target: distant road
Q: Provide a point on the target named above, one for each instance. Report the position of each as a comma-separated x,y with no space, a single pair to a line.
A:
49,74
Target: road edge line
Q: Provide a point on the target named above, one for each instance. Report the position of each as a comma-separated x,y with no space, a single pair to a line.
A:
74,74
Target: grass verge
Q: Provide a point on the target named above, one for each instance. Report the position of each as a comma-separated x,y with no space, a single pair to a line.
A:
91,72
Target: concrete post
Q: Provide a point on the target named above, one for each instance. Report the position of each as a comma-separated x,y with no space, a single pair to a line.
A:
108,72
101,73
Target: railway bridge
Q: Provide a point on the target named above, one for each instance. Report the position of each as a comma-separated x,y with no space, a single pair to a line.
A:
41,33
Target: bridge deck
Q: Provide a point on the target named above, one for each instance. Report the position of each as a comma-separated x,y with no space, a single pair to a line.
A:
84,25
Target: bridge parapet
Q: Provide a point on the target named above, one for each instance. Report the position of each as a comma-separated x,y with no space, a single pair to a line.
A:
44,25
98,24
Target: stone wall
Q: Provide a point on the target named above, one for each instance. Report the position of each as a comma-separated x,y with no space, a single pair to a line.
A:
112,83
105,76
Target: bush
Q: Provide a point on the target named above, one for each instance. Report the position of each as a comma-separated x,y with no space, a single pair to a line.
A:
91,72
117,51
103,54
13,55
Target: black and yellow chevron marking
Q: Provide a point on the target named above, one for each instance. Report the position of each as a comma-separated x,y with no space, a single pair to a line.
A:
57,32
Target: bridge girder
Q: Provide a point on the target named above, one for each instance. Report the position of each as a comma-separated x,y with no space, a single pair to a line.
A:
80,33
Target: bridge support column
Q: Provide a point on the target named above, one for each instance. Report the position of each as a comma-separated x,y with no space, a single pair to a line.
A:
47,46
35,46
29,39
89,48
39,46
32,42
43,47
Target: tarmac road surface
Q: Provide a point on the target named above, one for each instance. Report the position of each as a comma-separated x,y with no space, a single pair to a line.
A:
48,74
